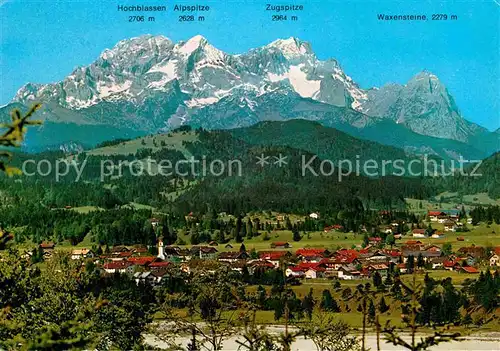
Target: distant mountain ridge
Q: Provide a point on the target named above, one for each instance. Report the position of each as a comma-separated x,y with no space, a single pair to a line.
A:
150,84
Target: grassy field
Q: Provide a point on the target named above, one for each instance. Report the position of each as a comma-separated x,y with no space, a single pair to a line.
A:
450,201
157,142
481,235
86,209
481,198
330,241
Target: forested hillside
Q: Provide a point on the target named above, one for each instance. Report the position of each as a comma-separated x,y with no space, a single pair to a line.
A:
479,176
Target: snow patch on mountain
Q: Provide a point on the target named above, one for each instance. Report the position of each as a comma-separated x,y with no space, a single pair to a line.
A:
107,90
299,81
194,103
276,77
169,69
169,72
79,104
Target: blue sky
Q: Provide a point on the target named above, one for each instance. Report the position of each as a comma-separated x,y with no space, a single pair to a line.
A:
43,41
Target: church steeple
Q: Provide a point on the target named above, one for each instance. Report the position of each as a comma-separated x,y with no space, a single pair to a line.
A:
161,253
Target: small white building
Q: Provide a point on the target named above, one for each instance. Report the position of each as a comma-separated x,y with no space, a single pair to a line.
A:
450,226
145,277
314,215
294,272
313,273
348,274
118,267
79,254
494,260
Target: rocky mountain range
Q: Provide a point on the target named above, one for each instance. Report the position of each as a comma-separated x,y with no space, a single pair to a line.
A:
150,84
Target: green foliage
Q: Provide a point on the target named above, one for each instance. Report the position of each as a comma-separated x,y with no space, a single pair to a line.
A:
377,280
212,298
485,290
308,304
488,214
123,226
419,308
14,135
69,307
328,303
447,249
390,240
467,184
113,142
328,333
383,305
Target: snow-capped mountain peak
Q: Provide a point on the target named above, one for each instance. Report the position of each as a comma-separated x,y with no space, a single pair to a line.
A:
151,74
292,47
188,47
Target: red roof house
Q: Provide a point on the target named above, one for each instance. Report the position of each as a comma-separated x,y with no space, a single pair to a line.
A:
280,244
272,255
141,261
159,264
470,270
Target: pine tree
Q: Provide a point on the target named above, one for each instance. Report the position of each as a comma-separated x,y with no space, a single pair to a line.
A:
371,311
388,280
429,231
337,285
377,280
396,290
195,238
238,230
463,213
390,240
221,238
420,261
410,263
296,235
245,275
326,300
239,226
308,304
249,229
383,306
365,240
261,296
328,303
238,237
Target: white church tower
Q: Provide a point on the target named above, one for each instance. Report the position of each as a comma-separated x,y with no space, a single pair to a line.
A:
161,253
